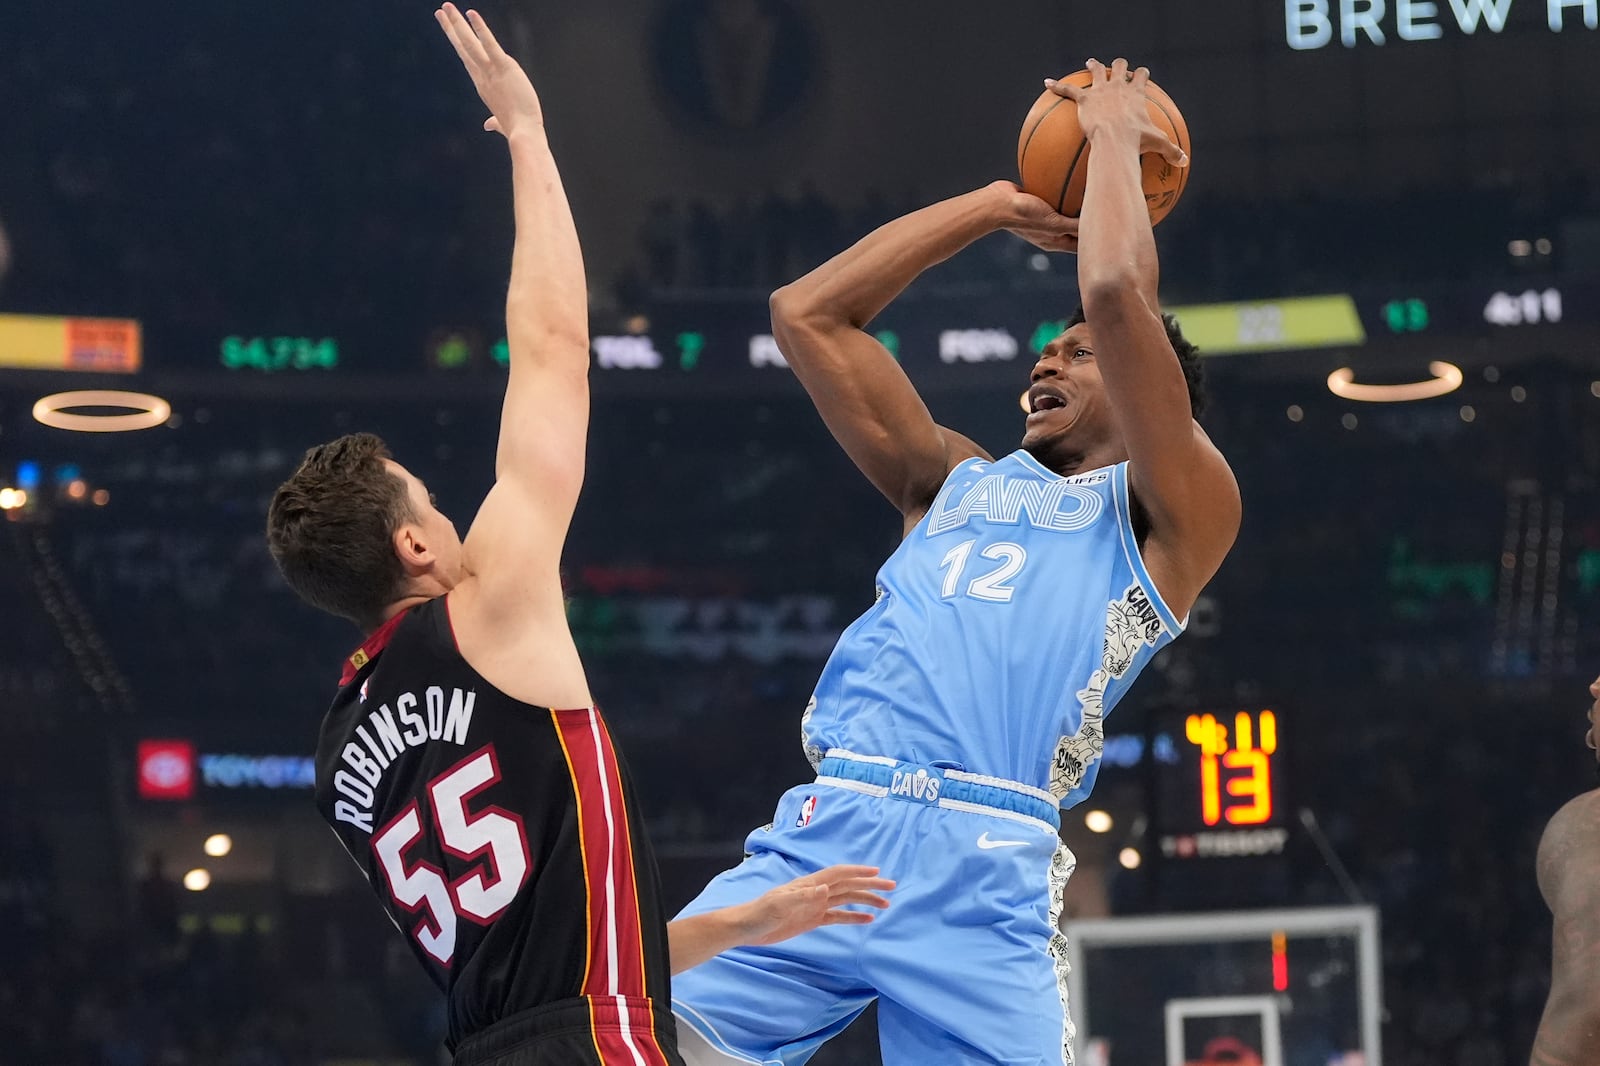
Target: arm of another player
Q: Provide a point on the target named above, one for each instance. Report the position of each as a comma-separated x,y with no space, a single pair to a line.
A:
1178,476
798,907
863,395
1569,877
544,422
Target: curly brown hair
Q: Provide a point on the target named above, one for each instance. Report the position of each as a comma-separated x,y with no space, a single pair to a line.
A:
1188,357
330,528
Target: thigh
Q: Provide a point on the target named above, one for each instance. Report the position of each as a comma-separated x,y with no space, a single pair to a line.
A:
778,1003
964,965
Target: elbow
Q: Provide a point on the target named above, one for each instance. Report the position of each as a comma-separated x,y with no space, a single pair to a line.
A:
801,305
791,306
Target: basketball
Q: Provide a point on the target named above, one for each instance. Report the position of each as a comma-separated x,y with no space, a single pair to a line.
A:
1053,155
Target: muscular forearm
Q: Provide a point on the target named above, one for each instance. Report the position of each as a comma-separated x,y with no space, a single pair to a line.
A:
855,285
1116,248
696,939
547,315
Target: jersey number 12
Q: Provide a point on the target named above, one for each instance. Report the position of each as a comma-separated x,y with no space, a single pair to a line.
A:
990,586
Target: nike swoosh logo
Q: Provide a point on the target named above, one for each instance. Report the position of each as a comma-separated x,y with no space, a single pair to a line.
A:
985,843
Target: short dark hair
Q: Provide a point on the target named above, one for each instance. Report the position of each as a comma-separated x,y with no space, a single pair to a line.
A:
1194,374
330,528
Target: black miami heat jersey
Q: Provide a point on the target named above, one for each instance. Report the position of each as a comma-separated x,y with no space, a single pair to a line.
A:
503,841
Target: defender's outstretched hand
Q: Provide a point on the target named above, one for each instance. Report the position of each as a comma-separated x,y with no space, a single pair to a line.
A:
1116,101
502,84
811,901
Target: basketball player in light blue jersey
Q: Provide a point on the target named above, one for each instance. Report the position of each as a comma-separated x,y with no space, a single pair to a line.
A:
966,707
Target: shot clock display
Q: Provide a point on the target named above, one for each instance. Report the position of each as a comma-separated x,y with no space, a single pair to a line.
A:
1235,772
1225,795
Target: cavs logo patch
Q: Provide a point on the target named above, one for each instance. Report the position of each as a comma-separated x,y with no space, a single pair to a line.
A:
807,810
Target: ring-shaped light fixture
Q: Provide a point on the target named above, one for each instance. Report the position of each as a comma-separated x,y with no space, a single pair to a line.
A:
144,411
1446,378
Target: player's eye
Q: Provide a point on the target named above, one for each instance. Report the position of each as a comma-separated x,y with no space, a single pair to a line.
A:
1082,353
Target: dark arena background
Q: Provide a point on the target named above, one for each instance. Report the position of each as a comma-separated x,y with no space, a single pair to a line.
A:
282,223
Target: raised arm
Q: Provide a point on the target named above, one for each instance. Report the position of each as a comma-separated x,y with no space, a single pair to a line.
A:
863,395
1569,877
1177,475
544,421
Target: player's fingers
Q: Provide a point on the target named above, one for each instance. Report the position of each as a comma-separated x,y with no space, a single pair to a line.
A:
442,16
469,40
864,884
492,125
847,918
1173,154
491,47
1062,88
1119,70
835,874
1097,70
866,899
1141,77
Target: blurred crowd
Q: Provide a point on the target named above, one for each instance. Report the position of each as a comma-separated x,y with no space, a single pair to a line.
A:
107,196
1379,590
1366,601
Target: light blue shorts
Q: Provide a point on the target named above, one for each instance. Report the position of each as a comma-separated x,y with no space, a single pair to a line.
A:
966,963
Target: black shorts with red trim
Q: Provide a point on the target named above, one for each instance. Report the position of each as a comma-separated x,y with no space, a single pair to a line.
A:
577,1032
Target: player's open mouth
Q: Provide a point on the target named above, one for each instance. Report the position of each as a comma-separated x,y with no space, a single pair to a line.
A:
1042,398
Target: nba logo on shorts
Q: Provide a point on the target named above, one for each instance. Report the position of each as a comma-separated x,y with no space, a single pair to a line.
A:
807,809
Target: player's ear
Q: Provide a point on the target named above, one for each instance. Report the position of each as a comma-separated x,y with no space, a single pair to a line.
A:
412,550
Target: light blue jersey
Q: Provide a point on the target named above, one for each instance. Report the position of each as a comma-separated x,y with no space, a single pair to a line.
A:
951,723
1008,624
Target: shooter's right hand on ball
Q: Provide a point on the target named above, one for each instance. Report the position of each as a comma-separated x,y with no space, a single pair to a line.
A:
1114,103
1032,219
502,84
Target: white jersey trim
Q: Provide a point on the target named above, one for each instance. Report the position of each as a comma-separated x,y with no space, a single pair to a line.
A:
1122,499
994,812
879,791
1062,864
1000,782
845,753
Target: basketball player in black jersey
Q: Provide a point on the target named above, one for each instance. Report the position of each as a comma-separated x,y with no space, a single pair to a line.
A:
463,763
1569,877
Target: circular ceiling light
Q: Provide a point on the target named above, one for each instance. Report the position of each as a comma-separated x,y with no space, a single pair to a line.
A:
143,411
1446,378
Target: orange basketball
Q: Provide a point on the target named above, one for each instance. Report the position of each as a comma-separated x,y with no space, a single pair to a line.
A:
1053,155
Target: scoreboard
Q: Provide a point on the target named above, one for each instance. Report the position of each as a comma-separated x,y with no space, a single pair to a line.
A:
949,341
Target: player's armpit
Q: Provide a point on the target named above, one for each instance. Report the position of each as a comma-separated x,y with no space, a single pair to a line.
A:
512,554
544,427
